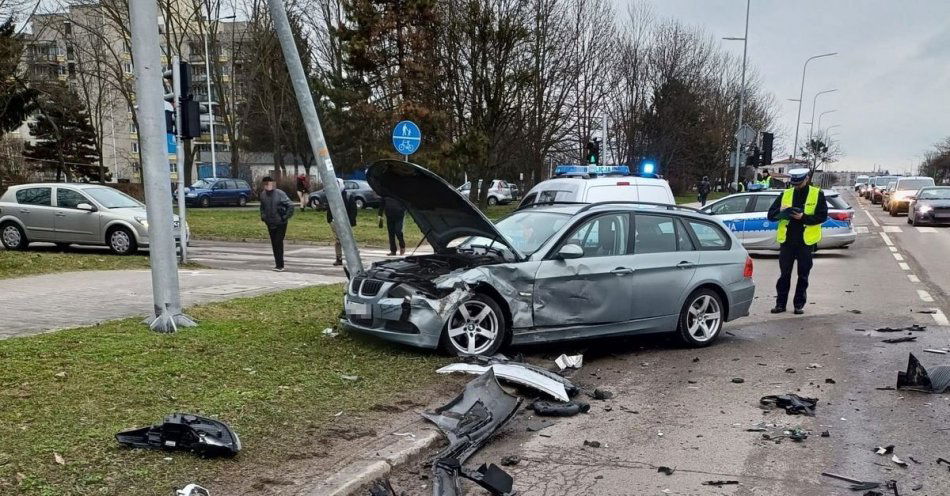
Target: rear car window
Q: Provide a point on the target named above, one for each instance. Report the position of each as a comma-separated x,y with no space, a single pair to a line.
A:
553,195
914,184
837,202
709,236
35,196
654,234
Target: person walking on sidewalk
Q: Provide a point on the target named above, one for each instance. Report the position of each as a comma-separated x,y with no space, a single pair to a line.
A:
303,190
395,213
800,211
276,210
703,189
350,212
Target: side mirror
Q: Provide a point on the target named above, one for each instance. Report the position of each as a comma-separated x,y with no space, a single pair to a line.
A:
912,198
570,251
86,207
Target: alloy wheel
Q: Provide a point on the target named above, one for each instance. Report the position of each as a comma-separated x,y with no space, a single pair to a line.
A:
474,327
704,318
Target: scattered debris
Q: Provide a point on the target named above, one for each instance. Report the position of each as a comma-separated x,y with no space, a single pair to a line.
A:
516,373
917,378
825,434
830,381
498,358
330,333
814,366
61,375
720,483
792,403
592,444
569,362
855,311
551,409
789,370
536,425
665,470
738,380
602,394
192,490
59,458
898,461
510,460
184,431
913,460
856,485
939,352
886,450
903,339
346,377
929,311
489,476
945,461
382,487
911,328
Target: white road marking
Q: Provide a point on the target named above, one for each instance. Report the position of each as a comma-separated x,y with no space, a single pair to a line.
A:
904,266
861,230
898,257
913,278
887,239
892,229
925,296
893,249
873,220
941,319
926,230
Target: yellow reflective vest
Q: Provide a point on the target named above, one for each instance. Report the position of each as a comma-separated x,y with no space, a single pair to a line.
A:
812,233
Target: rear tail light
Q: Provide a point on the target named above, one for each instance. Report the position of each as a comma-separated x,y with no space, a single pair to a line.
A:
623,183
747,272
842,216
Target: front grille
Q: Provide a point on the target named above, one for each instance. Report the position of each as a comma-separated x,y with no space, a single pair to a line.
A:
355,284
362,322
371,287
404,327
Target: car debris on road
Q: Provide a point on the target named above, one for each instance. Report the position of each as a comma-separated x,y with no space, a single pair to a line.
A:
569,362
185,431
192,490
792,403
918,378
516,373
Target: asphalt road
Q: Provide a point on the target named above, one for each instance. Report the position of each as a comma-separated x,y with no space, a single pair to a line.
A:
680,408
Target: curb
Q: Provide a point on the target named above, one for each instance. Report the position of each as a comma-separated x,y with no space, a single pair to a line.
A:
376,463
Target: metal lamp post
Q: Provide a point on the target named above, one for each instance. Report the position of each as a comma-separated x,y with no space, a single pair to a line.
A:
745,47
801,94
214,161
821,115
813,103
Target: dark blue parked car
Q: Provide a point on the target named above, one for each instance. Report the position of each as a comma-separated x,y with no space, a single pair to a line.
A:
219,191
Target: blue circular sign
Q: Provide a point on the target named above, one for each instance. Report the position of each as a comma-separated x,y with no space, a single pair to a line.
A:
407,137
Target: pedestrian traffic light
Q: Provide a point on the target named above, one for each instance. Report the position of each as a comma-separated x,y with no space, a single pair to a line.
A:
190,119
593,152
767,139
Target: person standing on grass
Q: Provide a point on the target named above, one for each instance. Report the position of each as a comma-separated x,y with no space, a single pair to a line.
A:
350,212
303,190
395,213
276,210
703,189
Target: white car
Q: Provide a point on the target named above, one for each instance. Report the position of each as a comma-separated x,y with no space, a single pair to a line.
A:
499,193
746,215
605,184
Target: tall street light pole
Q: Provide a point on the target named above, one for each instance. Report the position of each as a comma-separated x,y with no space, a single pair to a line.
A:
813,103
801,94
822,114
745,47
214,160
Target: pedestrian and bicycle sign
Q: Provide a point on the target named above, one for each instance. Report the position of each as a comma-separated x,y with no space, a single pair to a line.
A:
407,137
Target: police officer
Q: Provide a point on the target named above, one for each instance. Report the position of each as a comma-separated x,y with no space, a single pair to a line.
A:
799,211
766,180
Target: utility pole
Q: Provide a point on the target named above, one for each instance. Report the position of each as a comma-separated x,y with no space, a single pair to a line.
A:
745,47
168,316
318,143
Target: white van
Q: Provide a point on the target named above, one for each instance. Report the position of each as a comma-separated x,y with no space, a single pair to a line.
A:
601,189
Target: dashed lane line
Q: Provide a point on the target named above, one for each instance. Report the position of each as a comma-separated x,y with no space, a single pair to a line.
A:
873,220
925,296
940,318
892,248
892,229
904,266
887,239
913,278
898,257
926,230
861,230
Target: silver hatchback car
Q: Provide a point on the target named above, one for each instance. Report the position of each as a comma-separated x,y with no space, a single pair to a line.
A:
548,272
66,213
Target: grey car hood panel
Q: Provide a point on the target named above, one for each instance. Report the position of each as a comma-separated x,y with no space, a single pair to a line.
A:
441,213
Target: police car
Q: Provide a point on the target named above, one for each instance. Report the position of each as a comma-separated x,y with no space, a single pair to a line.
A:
746,215
601,183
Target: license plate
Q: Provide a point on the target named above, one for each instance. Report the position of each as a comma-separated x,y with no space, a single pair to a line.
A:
357,308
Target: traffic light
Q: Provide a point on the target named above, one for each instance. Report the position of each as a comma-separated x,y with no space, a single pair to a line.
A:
754,158
593,152
190,119
189,108
767,139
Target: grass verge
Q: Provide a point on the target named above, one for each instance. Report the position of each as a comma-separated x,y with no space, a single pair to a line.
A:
29,263
261,364
240,224
692,198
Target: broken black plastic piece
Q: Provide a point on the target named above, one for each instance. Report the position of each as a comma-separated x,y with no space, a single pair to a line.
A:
554,409
184,431
792,403
720,483
917,378
903,339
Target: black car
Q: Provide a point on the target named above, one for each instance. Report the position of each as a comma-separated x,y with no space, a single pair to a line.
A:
929,206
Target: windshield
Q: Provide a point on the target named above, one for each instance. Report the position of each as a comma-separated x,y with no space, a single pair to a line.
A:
201,184
882,180
111,198
525,231
934,194
914,184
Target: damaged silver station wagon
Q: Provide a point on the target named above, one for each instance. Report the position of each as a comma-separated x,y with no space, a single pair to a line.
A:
548,272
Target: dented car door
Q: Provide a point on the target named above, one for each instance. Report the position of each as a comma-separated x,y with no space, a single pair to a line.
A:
592,288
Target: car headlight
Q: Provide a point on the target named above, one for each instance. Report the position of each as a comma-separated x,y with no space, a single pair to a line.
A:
189,194
924,209
143,221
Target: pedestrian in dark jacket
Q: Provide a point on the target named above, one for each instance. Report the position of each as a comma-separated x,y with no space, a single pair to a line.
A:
395,213
350,212
276,210
703,189
303,190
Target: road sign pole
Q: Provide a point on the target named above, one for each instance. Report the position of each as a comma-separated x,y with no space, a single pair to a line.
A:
318,144
180,159
151,119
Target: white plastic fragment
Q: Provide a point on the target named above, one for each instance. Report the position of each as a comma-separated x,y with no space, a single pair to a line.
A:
572,362
513,373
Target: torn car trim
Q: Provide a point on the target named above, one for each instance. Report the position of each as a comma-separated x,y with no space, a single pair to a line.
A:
515,373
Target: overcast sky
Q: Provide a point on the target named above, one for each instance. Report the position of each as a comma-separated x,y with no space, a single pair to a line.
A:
892,70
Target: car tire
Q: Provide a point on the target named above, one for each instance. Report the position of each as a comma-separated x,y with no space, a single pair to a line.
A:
893,211
492,201
360,203
13,237
62,246
910,219
475,337
204,202
121,241
695,328
242,201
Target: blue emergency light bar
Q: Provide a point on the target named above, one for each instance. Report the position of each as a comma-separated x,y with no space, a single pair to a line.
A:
591,170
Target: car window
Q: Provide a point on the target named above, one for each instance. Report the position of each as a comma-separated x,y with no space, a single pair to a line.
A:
201,184
111,198
654,234
528,200
553,195
709,236
836,202
683,241
914,184
67,198
734,205
218,185
763,202
934,194
243,185
602,236
35,196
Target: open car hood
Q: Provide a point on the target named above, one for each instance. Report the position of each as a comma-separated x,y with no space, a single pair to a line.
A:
440,211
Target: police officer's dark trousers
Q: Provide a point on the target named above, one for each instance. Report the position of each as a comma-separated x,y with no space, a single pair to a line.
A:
791,253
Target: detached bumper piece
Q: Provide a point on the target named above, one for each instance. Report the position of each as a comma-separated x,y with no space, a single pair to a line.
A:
468,421
187,432
917,378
